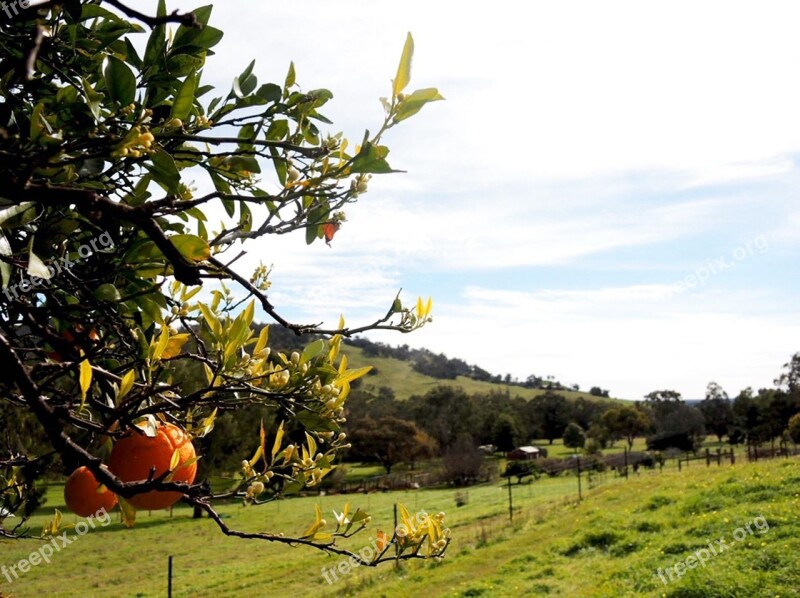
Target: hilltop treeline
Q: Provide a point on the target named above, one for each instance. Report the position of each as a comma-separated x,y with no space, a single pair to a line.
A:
442,367
449,416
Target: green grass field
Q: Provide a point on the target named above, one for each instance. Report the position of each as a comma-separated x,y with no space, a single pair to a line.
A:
611,544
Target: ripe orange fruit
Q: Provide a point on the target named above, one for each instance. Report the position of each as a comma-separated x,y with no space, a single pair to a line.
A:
81,495
135,454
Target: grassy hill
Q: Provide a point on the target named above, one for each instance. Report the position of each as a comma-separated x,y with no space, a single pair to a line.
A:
615,543
401,377
610,545
399,373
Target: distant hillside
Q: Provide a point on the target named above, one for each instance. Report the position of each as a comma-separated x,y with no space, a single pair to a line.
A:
401,377
411,372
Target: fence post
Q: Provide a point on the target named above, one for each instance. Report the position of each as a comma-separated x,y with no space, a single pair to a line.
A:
169,578
733,456
396,545
580,494
510,503
625,450
679,463
708,458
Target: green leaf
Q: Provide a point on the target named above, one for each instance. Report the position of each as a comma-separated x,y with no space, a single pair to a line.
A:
244,86
8,214
278,129
290,77
164,171
184,99
371,159
312,350
413,103
107,292
94,98
36,267
404,68
5,267
313,232
156,44
192,247
120,81
269,92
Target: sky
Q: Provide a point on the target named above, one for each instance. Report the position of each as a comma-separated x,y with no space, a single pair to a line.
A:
608,195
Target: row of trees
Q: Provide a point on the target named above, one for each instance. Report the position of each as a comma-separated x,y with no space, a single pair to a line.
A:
445,417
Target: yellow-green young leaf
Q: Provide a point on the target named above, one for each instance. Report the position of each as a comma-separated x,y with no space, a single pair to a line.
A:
211,319
161,345
174,345
128,512
249,311
406,517
263,337
175,460
56,520
276,446
415,101
257,456
85,378
186,295
351,375
36,267
312,445
126,385
334,344
318,524
263,437
209,373
420,308
191,247
208,423
404,68
428,306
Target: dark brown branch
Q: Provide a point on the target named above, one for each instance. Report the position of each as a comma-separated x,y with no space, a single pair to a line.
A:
308,152
330,548
187,19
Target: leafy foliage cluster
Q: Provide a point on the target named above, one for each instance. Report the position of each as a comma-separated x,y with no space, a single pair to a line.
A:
99,139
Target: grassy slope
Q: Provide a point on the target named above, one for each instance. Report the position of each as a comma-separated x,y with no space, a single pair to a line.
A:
609,545
400,377
612,544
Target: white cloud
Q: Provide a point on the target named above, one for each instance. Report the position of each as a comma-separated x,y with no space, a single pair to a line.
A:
651,132
631,340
